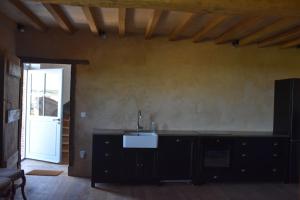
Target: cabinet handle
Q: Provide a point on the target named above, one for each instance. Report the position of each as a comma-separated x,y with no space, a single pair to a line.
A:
106,154
274,170
243,170
106,171
244,155
218,140
177,140
215,177
244,143
106,142
275,155
275,144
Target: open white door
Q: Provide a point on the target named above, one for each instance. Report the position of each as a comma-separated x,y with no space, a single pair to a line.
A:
44,115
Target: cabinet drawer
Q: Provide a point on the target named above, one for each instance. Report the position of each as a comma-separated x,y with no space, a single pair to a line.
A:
259,148
245,144
243,172
269,143
275,173
107,173
246,157
108,155
165,141
217,141
217,175
103,143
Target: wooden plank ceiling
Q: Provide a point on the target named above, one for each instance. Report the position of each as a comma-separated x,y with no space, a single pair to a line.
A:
240,21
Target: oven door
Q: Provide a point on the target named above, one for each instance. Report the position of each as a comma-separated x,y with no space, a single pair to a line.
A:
217,158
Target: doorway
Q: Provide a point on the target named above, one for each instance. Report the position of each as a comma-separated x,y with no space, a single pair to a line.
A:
46,113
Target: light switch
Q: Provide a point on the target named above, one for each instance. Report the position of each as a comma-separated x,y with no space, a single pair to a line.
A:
83,114
82,154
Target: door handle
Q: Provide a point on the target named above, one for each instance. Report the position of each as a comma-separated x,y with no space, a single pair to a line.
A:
57,120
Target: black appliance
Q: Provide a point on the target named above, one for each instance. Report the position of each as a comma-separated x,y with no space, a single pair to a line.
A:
216,164
217,155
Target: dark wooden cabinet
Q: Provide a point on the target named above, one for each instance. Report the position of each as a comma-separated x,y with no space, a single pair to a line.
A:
294,162
287,108
260,159
107,159
287,121
248,158
283,107
197,158
139,165
111,163
175,157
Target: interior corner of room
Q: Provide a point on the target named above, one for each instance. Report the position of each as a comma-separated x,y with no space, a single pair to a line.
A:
150,99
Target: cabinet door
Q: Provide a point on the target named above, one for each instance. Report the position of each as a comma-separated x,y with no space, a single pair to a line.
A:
10,79
294,163
197,163
146,165
295,135
139,165
283,107
129,165
175,156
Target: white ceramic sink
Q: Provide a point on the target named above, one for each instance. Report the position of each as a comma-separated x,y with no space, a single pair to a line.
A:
140,140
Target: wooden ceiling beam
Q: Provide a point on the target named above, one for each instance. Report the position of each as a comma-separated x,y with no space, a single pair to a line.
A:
241,27
184,23
33,18
290,44
277,27
90,14
152,23
59,15
231,7
284,37
210,26
122,21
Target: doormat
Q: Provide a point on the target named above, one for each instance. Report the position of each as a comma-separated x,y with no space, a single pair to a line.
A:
39,172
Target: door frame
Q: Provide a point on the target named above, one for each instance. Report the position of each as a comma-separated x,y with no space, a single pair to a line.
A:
74,64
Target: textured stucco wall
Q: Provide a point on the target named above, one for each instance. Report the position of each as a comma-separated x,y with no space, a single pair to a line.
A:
182,85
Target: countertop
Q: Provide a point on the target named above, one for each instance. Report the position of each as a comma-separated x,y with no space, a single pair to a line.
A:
192,133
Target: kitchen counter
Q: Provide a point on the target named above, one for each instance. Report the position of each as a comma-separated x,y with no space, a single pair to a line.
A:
193,133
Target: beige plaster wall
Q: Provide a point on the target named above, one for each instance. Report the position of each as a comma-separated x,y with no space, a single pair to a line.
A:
181,85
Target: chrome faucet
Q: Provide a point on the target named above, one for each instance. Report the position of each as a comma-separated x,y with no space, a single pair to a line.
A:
139,127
